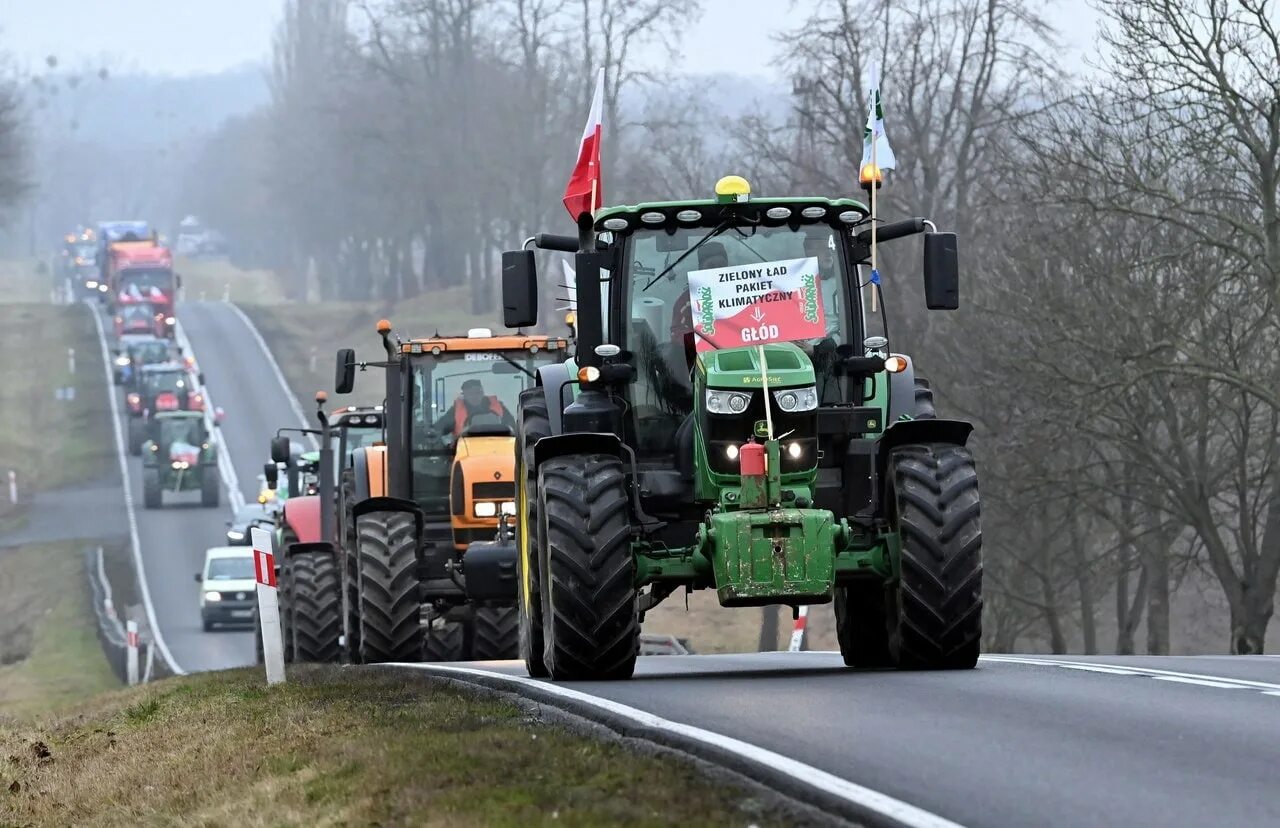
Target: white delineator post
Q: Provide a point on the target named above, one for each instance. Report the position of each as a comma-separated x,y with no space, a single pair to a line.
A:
131,652
797,630
264,568
13,486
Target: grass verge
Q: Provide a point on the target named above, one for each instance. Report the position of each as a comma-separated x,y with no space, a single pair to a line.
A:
49,651
50,442
343,746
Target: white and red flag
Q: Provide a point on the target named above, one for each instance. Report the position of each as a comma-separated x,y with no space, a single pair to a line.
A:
585,190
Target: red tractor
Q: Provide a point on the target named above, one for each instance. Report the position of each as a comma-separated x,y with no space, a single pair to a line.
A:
140,273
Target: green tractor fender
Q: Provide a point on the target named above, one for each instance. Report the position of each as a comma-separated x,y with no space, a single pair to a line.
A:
559,445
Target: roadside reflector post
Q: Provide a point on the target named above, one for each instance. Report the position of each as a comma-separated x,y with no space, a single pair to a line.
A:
131,652
13,486
797,629
71,360
264,569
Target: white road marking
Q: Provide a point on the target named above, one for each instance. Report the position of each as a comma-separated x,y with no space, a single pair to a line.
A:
134,544
226,470
1090,668
1220,682
275,368
857,795
1202,682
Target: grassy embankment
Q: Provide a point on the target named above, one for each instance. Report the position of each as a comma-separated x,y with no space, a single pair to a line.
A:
49,653
342,746
297,332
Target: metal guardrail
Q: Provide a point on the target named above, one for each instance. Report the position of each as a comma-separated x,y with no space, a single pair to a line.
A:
111,630
654,644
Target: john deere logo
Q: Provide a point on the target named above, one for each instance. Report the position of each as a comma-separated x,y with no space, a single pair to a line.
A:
809,291
708,311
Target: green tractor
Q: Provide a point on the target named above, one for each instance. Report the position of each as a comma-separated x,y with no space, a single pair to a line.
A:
179,457
795,472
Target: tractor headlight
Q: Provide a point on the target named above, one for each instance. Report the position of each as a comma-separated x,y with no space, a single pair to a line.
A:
234,535
122,360
102,288
213,596
91,284
796,399
731,451
727,402
485,509
508,507
795,451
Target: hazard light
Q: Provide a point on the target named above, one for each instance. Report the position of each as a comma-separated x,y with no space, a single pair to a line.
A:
732,188
479,333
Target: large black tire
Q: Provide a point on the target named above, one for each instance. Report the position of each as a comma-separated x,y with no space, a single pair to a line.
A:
317,607
389,606
495,633
349,570
591,622
152,497
936,620
137,435
445,640
260,657
925,409
862,625
284,593
210,487
532,424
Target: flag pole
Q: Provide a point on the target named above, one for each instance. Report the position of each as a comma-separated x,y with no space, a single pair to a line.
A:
764,385
875,185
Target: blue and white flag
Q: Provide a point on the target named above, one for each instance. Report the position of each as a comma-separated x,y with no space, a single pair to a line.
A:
874,131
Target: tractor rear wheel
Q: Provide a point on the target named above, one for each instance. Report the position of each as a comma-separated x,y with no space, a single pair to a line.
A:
532,425
317,607
389,605
862,625
152,496
350,571
284,592
925,409
210,487
495,633
445,640
137,436
259,655
590,619
936,609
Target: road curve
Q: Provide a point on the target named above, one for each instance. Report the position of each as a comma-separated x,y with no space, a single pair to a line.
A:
1020,741
172,540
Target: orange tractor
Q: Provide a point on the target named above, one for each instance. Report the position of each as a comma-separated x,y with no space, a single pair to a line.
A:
425,519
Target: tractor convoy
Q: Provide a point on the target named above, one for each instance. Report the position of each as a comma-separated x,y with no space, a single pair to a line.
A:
726,414
515,495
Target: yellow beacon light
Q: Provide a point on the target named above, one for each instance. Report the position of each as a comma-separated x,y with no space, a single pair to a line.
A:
732,188
870,174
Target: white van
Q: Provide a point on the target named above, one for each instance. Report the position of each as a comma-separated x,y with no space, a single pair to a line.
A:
228,587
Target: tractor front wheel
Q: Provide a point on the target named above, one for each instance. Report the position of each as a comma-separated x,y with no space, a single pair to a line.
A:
137,435
152,497
936,613
445,640
591,624
210,487
317,607
532,425
495,633
862,625
389,605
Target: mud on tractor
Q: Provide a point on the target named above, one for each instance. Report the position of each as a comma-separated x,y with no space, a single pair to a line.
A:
179,456
647,463
426,574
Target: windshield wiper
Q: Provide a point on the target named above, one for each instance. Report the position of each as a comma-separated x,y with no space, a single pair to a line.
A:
529,373
715,231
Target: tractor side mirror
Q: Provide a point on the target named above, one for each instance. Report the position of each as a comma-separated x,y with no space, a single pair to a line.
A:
280,450
272,475
344,378
199,577
941,271
200,377
519,289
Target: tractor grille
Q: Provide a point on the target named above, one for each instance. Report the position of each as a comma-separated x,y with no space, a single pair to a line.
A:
723,431
506,491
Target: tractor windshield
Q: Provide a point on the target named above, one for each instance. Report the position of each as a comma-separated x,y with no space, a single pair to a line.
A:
139,314
149,353
157,382
147,278
180,430
460,393
659,323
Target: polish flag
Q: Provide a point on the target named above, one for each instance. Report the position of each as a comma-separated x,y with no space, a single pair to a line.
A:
585,190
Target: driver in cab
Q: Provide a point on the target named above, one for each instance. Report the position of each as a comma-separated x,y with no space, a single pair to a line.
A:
470,403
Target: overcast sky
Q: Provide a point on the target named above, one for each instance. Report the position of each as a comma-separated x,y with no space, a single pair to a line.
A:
197,36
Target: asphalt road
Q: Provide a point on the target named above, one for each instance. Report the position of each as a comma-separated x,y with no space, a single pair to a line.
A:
173,539
1012,743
